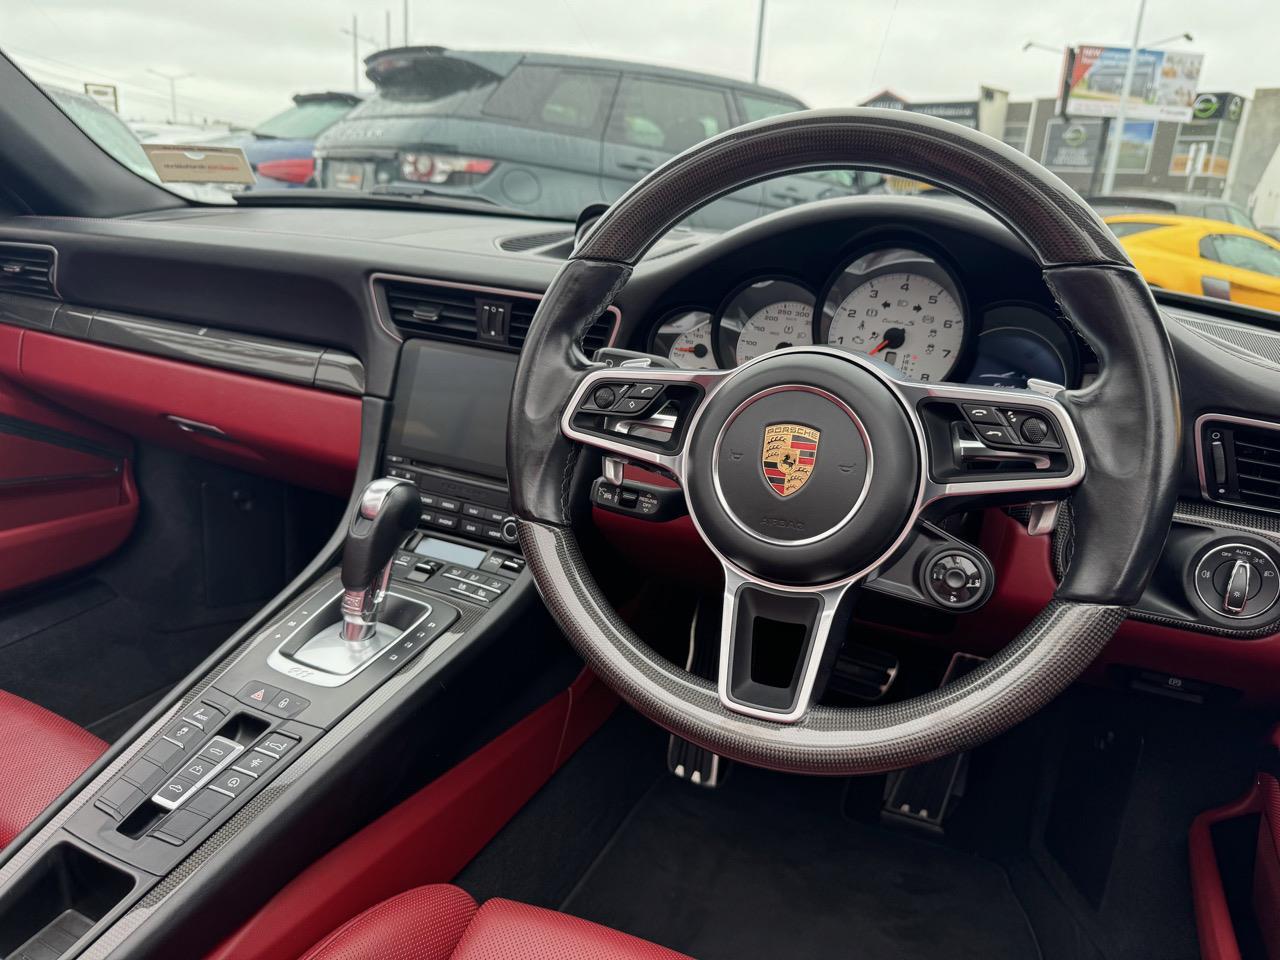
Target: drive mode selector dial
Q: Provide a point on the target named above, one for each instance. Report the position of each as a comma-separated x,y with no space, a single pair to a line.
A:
1239,581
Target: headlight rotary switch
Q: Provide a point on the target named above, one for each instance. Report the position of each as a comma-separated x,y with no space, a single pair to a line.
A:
1237,580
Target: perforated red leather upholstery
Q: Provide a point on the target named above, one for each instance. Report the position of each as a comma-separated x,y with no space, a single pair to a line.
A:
42,753
441,922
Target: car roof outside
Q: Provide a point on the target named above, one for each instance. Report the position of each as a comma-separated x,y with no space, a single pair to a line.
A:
503,61
1199,225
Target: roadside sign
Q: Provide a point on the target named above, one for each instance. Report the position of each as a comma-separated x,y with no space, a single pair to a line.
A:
104,94
1071,146
1163,86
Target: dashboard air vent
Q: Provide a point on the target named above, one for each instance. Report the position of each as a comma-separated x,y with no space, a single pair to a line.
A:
1257,461
27,270
1240,461
461,314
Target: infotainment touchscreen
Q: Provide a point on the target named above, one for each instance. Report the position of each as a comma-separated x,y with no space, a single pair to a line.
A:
451,407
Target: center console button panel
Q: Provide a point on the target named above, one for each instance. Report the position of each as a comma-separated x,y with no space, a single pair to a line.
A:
472,507
152,813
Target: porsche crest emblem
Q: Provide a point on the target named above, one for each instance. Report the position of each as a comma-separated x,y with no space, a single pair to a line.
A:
788,456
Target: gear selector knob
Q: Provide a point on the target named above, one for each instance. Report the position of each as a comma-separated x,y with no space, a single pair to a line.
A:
388,510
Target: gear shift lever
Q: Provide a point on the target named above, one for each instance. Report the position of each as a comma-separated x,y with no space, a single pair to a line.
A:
388,510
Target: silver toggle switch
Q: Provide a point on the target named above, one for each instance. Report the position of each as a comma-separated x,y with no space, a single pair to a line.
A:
1236,595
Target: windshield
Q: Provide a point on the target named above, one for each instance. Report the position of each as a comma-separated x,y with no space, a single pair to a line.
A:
549,108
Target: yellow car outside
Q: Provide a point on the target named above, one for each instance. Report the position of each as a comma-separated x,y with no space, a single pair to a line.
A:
1210,258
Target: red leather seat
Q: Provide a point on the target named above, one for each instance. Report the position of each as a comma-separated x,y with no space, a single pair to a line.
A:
442,922
42,753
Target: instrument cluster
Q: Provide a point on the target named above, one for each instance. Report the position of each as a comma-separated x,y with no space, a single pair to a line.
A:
900,305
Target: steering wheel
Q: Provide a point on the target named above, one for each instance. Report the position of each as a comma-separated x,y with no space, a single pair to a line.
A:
807,469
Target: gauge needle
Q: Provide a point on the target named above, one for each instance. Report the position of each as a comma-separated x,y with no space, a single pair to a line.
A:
893,337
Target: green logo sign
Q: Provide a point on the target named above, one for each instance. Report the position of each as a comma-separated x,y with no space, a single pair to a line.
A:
1075,136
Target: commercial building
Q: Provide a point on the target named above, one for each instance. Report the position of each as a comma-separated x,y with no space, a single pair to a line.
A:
1222,151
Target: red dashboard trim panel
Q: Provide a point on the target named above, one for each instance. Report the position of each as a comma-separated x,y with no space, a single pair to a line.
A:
304,436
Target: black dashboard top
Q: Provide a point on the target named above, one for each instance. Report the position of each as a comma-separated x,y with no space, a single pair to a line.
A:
304,275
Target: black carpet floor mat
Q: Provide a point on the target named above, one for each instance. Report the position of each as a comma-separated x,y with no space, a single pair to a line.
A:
97,658
768,867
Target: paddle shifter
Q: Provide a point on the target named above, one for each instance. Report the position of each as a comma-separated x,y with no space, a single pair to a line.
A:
389,509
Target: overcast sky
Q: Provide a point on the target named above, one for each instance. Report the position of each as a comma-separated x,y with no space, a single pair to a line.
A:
246,57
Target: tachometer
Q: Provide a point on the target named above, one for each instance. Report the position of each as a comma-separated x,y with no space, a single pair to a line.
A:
765,316
901,307
906,320
685,339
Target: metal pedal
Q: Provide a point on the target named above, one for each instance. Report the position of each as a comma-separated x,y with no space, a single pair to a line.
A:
922,796
690,762
863,673
684,759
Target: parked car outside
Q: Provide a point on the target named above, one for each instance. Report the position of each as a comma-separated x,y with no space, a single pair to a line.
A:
549,133
176,133
1183,204
1209,258
280,150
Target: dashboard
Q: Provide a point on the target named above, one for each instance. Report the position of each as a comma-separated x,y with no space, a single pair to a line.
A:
903,300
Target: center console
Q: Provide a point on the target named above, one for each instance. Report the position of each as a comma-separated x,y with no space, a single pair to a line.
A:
427,561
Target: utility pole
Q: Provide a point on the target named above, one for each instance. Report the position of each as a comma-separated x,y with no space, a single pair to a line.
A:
173,79
354,32
755,70
388,28
355,54
406,22
1113,153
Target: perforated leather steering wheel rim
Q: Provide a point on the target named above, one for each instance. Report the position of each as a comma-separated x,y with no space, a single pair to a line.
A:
1128,421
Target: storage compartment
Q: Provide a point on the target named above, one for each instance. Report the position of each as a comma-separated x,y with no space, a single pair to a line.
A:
58,901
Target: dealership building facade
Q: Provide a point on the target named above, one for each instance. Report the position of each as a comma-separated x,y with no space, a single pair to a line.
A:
1225,150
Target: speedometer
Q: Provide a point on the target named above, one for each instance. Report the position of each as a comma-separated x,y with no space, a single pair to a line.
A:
787,323
901,307
764,316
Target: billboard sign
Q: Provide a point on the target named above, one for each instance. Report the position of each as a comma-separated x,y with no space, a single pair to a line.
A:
1163,86
1071,146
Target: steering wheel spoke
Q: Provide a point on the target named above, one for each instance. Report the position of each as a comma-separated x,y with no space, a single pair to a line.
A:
995,445
641,414
776,645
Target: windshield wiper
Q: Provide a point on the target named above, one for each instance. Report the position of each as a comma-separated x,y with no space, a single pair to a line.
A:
388,200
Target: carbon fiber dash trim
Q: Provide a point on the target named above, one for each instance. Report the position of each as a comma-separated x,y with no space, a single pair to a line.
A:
1026,675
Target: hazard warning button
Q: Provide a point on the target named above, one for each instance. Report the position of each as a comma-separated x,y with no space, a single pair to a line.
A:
258,694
